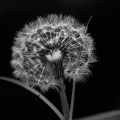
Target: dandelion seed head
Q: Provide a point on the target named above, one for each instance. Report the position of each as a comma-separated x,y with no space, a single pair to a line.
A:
45,37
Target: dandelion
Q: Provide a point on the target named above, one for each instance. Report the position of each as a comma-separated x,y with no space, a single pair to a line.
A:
52,48
38,43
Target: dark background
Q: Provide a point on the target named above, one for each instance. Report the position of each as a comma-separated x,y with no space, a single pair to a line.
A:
101,91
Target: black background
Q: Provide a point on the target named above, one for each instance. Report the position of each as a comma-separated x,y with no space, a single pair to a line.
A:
101,91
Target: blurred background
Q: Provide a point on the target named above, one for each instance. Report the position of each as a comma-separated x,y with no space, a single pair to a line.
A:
100,93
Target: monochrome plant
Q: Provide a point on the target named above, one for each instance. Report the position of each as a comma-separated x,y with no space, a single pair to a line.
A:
50,50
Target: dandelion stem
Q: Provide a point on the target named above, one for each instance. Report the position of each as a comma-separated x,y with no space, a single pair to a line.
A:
64,102
36,93
72,101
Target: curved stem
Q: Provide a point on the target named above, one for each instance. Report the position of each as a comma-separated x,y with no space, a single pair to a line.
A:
36,93
72,102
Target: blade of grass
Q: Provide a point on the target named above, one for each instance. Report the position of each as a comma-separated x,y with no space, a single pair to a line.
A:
36,93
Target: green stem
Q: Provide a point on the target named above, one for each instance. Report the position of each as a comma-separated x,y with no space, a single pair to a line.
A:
64,102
